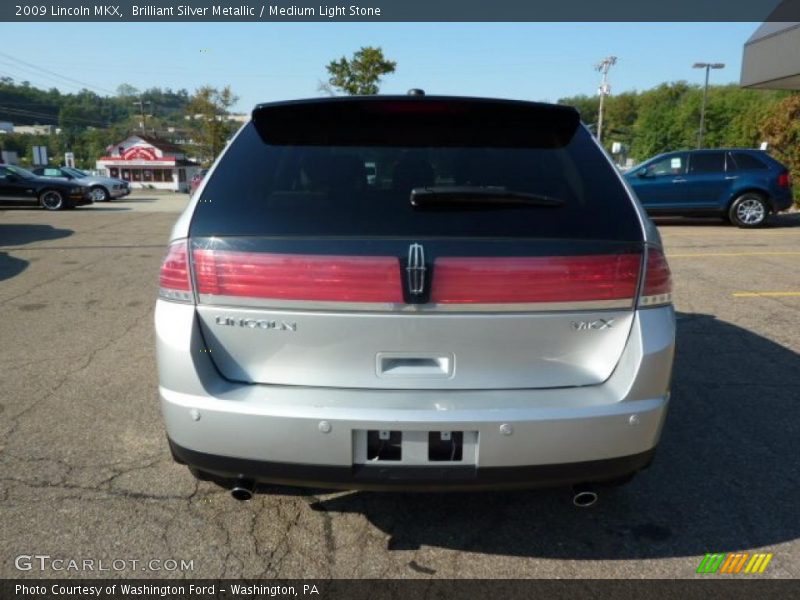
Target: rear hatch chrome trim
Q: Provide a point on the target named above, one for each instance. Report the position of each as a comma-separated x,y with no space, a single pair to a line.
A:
301,305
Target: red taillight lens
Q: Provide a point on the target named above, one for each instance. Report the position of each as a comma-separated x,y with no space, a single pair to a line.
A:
785,180
535,279
174,282
657,289
298,277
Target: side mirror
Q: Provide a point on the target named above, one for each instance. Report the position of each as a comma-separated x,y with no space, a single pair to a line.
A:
12,177
642,173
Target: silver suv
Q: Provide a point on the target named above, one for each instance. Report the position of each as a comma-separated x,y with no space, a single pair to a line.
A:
102,188
493,309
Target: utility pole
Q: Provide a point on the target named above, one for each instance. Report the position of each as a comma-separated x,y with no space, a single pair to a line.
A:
707,67
605,90
140,103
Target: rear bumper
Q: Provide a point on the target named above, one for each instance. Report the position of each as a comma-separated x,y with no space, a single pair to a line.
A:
414,478
308,434
306,446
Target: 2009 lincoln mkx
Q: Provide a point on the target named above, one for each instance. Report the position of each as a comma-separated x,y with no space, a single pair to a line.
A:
489,308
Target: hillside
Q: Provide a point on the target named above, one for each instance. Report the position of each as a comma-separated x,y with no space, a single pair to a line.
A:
23,104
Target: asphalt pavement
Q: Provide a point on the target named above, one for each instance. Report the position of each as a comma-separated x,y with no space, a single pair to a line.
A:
85,472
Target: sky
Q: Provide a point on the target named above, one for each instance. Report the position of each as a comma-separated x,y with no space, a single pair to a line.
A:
279,61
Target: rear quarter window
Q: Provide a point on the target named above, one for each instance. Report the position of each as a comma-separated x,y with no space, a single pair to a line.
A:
748,162
320,188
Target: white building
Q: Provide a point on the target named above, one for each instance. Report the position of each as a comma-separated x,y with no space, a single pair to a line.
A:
35,129
149,163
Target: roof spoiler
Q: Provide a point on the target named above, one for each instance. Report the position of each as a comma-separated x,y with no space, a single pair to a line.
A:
416,121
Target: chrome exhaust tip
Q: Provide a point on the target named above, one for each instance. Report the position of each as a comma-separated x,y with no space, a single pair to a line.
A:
243,489
584,496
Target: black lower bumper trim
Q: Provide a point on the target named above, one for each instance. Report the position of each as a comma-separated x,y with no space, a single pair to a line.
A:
382,477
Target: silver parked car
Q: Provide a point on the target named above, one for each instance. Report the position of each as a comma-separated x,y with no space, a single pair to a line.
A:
103,188
495,312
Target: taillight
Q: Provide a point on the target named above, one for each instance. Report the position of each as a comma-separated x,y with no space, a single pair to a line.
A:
657,288
498,280
785,180
297,276
174,282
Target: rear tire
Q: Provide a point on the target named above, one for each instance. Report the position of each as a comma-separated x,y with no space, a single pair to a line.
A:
52,200
749,210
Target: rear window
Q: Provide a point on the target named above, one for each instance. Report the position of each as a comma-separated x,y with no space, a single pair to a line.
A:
748,162
353,177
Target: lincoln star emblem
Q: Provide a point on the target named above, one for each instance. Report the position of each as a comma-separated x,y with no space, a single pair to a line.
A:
416,269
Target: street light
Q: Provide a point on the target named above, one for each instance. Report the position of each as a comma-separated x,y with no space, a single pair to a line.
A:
603,66
707,67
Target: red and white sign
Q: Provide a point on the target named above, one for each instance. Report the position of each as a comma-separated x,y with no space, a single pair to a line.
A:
116,161
139,153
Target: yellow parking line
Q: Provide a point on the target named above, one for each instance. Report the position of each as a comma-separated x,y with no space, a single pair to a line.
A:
696,254
765,294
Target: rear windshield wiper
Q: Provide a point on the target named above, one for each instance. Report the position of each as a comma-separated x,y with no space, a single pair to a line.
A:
478,196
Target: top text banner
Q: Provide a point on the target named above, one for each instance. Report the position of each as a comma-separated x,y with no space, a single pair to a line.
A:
404,10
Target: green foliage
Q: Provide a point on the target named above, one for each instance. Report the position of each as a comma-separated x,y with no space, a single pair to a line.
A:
208,109
663,120
126,90
620,115
361,75
667,117
89,123
588,107
781,129
26,105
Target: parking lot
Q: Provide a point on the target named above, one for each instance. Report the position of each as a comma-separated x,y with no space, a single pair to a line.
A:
85,471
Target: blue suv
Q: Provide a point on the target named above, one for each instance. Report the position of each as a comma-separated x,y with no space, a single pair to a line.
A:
741,185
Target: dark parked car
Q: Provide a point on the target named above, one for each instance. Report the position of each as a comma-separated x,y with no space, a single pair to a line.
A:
19,186
741,185
103,188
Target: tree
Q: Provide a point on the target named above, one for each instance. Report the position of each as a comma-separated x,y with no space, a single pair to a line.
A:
88,123
209,109
126,90
662,123
360,75
667,117
587,106
782,130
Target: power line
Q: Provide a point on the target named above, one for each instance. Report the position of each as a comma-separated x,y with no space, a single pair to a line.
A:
56,118
71,80
37,79
57,75
16,76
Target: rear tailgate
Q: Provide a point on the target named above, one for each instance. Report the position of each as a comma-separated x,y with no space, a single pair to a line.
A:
309,272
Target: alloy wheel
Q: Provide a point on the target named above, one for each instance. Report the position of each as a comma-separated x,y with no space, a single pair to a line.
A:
751,211
52,200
